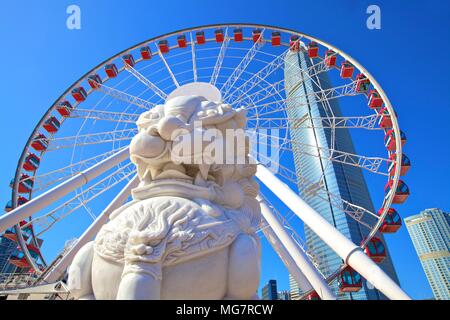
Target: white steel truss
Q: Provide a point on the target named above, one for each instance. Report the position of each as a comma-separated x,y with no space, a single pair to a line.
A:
104,115
161,56
44,180
91,138
194,59
363,122
123,96
145,81
257,78
242,66
47,220
220,58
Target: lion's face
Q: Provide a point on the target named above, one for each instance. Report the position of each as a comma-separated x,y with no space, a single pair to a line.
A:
167,137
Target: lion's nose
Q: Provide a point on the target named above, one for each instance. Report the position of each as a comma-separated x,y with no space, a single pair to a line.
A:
147,146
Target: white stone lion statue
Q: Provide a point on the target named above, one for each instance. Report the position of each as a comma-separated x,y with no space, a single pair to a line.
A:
189,232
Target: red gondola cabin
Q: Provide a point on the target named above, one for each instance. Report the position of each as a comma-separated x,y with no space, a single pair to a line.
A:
401,193
375,250
10,235
200,37
20,201
79,94
405,165
238,37
8,206
257,35
330,58
111,70
146,54
40,142
19,261
31,162
181,39
28,229
313,49
375,100
392,221
64,108
390,139
52,125
25,183
313,296
294,43
276,38
362,83
128,59
163,46
385,120
94,81
349,280
347,70
219,35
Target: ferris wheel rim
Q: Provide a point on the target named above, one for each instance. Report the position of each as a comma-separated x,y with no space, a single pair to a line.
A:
395,127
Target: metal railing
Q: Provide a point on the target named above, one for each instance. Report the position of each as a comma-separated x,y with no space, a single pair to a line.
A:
16,280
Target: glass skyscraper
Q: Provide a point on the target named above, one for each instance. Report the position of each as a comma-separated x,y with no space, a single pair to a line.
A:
269,291
430,234
293,288
310,144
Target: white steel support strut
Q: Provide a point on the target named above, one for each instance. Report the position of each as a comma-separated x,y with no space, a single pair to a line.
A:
347,250
59,268
43,200
298,264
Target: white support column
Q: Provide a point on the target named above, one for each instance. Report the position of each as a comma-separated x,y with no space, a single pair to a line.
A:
295,260
347,250
24,211
59,268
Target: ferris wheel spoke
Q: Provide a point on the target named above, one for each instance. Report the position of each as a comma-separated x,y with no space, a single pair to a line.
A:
311,74
279,86
242,66
330,93
220,57
251,102
104,115
161,56
194,60
262,74
371,164
318,189
125,97
43,181
92,138
363,122
291,102
46,221
145,81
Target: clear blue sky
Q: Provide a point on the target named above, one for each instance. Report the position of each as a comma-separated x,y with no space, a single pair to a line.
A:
409,56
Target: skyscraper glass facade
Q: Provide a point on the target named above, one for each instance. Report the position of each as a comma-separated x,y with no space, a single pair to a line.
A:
430,234
318,177
269,291
293,288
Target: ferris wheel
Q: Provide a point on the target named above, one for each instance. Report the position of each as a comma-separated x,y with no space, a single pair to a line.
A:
294,87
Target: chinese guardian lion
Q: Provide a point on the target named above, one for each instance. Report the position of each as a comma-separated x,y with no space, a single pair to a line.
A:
189,231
